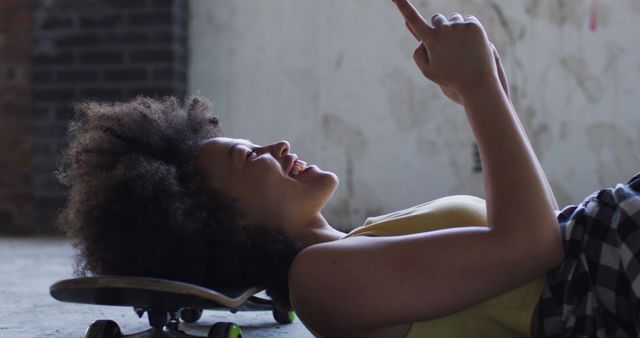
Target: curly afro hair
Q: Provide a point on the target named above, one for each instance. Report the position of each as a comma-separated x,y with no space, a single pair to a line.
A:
137,205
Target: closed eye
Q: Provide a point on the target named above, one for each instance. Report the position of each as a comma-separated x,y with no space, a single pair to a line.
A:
251,153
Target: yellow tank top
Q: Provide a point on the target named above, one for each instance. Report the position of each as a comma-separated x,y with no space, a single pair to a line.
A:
507,315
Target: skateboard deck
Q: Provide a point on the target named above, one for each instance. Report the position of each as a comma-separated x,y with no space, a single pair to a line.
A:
165,301
143,292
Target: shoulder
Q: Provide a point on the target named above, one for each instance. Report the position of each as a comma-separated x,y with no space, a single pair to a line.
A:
355,286
322,286
315,266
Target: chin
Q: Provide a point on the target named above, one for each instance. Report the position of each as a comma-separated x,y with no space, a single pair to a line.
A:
330,178
322,186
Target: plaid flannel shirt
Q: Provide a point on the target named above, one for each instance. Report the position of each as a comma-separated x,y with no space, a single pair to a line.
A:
595,291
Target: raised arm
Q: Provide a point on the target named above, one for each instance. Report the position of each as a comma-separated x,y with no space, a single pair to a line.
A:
368,284
456,54
453,95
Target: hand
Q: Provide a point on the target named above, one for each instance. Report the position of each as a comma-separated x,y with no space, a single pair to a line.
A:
455,53
453,96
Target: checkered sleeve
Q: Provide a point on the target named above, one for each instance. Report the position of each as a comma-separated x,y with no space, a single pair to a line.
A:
594,292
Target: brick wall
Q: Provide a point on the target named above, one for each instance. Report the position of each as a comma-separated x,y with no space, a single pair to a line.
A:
92,49
15,116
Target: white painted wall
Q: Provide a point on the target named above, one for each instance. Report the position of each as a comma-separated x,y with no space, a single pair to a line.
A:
337,80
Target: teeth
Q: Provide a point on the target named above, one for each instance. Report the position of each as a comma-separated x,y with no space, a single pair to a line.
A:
298,167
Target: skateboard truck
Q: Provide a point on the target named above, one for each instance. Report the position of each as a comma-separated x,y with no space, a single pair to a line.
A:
160,318
164,323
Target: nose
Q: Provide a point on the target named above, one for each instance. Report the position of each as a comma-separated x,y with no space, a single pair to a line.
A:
280,149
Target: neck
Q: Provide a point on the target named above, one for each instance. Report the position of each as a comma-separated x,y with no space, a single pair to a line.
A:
317,230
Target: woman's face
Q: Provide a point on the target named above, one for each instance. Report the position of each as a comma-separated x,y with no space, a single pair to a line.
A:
261,180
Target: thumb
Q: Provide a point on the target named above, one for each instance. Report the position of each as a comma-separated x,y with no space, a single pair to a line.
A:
501,74
421,58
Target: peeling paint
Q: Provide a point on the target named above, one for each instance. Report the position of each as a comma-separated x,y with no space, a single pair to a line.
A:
504,22
614,51
616,153
603,13
347,89
538,132
634,5
560,13
563,197
338,62
302,79
407,100
586,81
338,131
352,142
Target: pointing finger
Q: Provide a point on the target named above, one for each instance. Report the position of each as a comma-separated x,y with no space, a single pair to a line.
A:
415,20
406,23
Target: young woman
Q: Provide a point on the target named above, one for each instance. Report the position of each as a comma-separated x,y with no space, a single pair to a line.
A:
157,191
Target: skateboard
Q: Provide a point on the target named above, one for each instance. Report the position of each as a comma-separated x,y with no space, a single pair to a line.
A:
165,302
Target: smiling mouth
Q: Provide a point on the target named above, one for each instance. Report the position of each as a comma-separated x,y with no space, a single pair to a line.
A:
298,167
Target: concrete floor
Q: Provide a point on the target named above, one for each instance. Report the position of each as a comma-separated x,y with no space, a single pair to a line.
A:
29,266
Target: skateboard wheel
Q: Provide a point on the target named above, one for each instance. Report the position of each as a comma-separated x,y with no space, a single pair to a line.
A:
284,317
225,330
190,315
103,329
